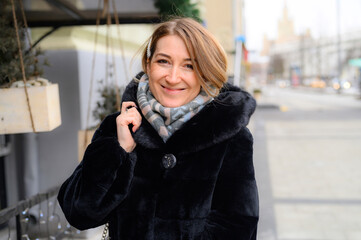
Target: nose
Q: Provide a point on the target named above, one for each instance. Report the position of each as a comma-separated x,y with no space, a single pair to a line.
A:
173,76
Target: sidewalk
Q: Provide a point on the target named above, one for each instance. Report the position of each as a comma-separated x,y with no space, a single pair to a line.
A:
308,168
329,90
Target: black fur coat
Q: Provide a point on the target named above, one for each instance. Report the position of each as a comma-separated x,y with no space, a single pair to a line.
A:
200,184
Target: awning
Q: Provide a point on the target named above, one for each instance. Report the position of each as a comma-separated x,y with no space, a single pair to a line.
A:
58,13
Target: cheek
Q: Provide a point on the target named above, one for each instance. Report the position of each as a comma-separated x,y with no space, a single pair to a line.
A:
194,83
150,68
151,83
154,71
197,89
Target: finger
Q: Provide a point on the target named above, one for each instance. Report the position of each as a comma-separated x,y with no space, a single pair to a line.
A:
132,111
132,117
135,119
130,114
126,105
136,125
126,120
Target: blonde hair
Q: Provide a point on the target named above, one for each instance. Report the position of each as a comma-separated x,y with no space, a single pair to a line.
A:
207,55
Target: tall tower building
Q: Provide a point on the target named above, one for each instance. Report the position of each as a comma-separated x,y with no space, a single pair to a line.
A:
285,27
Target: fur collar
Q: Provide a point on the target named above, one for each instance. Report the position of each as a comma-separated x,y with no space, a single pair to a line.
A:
216,122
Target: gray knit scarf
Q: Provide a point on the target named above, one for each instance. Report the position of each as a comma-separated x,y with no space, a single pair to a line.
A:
166,120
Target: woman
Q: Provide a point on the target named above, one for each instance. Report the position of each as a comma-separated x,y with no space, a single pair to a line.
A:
176,163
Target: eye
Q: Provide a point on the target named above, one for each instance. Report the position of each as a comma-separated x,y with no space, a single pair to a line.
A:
190,66
162,61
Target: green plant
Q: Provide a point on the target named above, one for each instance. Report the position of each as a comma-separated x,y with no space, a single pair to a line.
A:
10,69
177,8
108,101
257,90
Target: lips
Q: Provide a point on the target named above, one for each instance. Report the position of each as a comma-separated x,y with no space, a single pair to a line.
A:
172,90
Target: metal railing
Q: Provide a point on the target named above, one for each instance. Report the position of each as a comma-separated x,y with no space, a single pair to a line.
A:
25,213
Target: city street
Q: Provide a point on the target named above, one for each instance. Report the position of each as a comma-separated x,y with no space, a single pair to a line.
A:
307,157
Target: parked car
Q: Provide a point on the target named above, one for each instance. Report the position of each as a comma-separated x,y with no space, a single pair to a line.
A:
343,84
282,83
318,83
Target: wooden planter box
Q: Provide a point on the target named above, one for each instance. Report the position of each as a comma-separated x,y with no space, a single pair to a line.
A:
82,143
14,112
257,94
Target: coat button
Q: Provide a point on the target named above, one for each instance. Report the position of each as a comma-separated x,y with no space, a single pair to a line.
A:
169,161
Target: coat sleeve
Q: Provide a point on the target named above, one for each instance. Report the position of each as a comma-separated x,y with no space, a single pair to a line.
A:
234,213
100,182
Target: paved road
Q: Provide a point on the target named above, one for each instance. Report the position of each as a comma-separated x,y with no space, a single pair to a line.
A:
307,155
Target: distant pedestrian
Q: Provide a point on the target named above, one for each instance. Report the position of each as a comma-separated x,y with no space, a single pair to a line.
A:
176,162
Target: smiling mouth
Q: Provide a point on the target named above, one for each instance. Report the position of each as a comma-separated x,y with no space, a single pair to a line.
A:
173,89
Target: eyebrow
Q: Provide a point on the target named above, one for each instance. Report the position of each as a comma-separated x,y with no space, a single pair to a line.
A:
167,56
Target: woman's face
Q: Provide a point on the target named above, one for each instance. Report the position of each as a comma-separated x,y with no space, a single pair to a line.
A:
172,79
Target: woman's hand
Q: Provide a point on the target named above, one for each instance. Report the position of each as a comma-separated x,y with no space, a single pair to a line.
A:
129,115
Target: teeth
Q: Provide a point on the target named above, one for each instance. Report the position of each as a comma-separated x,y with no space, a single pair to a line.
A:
173,89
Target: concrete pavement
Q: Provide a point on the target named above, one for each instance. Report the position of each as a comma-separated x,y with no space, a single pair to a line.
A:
308,165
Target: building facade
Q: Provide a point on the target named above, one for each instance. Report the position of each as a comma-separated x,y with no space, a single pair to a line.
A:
303,59
225,20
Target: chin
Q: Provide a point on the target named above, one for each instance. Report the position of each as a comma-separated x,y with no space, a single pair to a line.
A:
172,104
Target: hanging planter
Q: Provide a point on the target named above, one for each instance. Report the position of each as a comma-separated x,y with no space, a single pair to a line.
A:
84,139
257,93
32,104
106,105
44,105
110,92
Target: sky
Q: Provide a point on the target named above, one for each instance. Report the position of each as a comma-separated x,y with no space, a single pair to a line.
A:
320,16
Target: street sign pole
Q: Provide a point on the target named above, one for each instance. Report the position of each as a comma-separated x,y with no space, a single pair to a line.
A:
238,61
